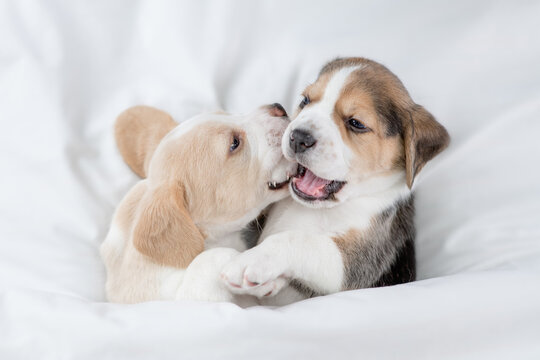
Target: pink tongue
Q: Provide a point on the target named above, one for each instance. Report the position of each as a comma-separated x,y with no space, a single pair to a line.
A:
311,184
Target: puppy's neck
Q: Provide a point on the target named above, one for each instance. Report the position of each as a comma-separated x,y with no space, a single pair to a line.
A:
389,186
228,234
372,196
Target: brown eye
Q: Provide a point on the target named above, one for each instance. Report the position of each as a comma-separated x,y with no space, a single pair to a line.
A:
304,102
235,143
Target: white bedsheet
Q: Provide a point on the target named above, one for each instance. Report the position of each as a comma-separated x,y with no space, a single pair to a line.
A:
68,68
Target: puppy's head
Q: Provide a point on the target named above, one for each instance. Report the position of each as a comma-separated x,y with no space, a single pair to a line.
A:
357,131
210,171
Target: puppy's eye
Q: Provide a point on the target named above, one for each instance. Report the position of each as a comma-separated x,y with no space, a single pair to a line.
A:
304,102
235,143
356,125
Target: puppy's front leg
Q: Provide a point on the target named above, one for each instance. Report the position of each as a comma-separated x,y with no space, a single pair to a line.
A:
202,279
314,260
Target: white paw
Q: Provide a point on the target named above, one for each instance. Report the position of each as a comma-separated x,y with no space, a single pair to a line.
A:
255,273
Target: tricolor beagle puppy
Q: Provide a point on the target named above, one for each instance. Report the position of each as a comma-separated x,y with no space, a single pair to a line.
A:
206,179
359,140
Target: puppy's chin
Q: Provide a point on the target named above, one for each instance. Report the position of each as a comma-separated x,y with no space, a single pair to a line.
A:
314,204
313,191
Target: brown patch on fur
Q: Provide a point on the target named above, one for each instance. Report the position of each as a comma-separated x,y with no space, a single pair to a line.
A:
424,139
190,186
403,135
138,131
351,245
382,254
164,230
374,151
190,182
315,91
352,236
340,63
209,173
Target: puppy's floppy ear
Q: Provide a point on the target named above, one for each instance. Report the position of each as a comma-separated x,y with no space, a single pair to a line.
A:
424,138
164,230
138,131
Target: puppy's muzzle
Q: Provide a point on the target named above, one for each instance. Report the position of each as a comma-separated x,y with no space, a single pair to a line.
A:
301,140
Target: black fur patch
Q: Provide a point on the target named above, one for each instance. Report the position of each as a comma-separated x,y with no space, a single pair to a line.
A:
305,290
384,254
252,232
389,114
403,270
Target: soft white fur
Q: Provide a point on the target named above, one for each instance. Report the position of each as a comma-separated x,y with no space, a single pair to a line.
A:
297,240
331,154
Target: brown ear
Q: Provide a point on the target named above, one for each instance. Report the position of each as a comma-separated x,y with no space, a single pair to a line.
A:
138,131
164,230
424,139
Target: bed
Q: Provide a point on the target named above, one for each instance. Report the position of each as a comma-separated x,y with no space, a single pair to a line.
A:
68,68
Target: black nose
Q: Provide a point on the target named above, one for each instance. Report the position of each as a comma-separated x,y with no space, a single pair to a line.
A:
301,140
277,110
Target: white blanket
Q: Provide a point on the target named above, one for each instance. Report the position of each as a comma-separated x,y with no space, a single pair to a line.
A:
68,68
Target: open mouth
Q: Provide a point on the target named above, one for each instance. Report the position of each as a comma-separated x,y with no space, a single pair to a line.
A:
274,185
310,187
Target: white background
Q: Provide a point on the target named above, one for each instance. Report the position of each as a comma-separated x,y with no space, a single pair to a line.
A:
67,68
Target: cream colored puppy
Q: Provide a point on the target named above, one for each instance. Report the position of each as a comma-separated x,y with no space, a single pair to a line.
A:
207,178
